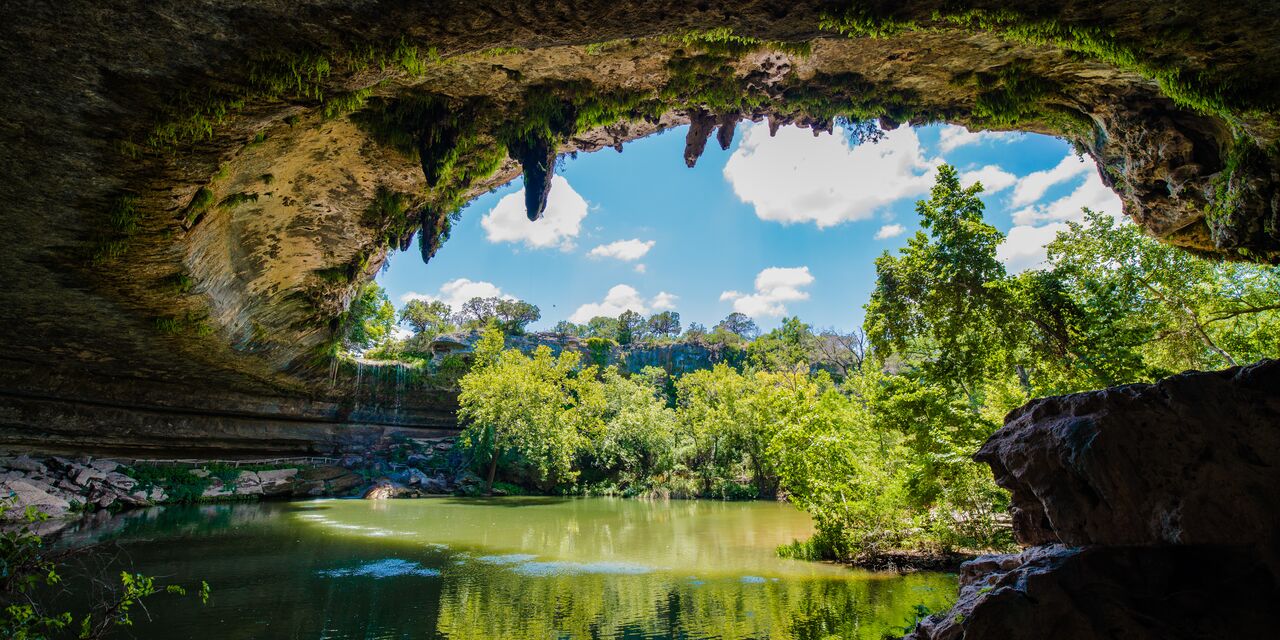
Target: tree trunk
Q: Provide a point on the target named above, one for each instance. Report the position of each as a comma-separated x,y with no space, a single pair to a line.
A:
493,470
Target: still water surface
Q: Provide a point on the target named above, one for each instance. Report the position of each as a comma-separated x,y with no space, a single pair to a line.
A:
520,568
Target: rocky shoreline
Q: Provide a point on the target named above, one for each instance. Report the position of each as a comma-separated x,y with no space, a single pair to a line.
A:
65,488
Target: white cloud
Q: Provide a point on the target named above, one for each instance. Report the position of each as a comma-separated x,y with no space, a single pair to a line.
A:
993,178
627,250
1024,248
456,292
953,137
775,286
890,231
559,226
1091,193
1037,225
623,298
1032,186
795,177
640,268
664,301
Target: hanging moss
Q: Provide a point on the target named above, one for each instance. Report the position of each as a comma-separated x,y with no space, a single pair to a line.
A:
124,219
1209,91
193,116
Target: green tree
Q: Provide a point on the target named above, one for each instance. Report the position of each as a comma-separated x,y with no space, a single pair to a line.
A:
638,438
932,303
370,317
566,328
478,312
515,315
427,318
740,325
695,332
521,406
1176,310
665,324
602,327
630,327
784,348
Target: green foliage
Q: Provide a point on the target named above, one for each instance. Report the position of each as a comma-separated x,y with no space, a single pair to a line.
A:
193,116
370,317
200,203
179,484
523,407
29,573
630,327
1011,95
427,318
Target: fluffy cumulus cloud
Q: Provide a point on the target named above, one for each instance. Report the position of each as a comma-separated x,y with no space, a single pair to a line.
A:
953,137
795,177
623,298
664,301
1039,223
775,286
559,227
1032,186
1024,248
890,231
456,292
993,178
1090,193
627,250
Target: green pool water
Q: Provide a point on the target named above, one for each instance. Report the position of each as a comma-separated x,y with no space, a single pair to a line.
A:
522,568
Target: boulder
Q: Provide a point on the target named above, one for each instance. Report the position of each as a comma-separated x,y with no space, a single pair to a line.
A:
25,463
26,493
105,466
84,475
383,490
1191,459
248,483
1154,510
120,481
1056,592
278,482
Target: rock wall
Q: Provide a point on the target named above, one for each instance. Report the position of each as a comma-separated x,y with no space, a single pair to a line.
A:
1151,509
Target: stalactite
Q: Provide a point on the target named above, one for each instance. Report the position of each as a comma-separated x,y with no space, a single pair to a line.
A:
728,123
700,125
538,158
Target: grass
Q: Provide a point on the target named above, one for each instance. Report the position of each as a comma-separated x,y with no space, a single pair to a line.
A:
236,199
200,203
191,117
124,219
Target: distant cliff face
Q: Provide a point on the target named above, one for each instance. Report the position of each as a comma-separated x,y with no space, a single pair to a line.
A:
194,190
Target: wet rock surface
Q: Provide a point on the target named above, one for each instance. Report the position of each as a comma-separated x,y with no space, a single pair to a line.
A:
1152,510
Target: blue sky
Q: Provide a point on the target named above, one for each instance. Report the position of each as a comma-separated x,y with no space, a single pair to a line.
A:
788,225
